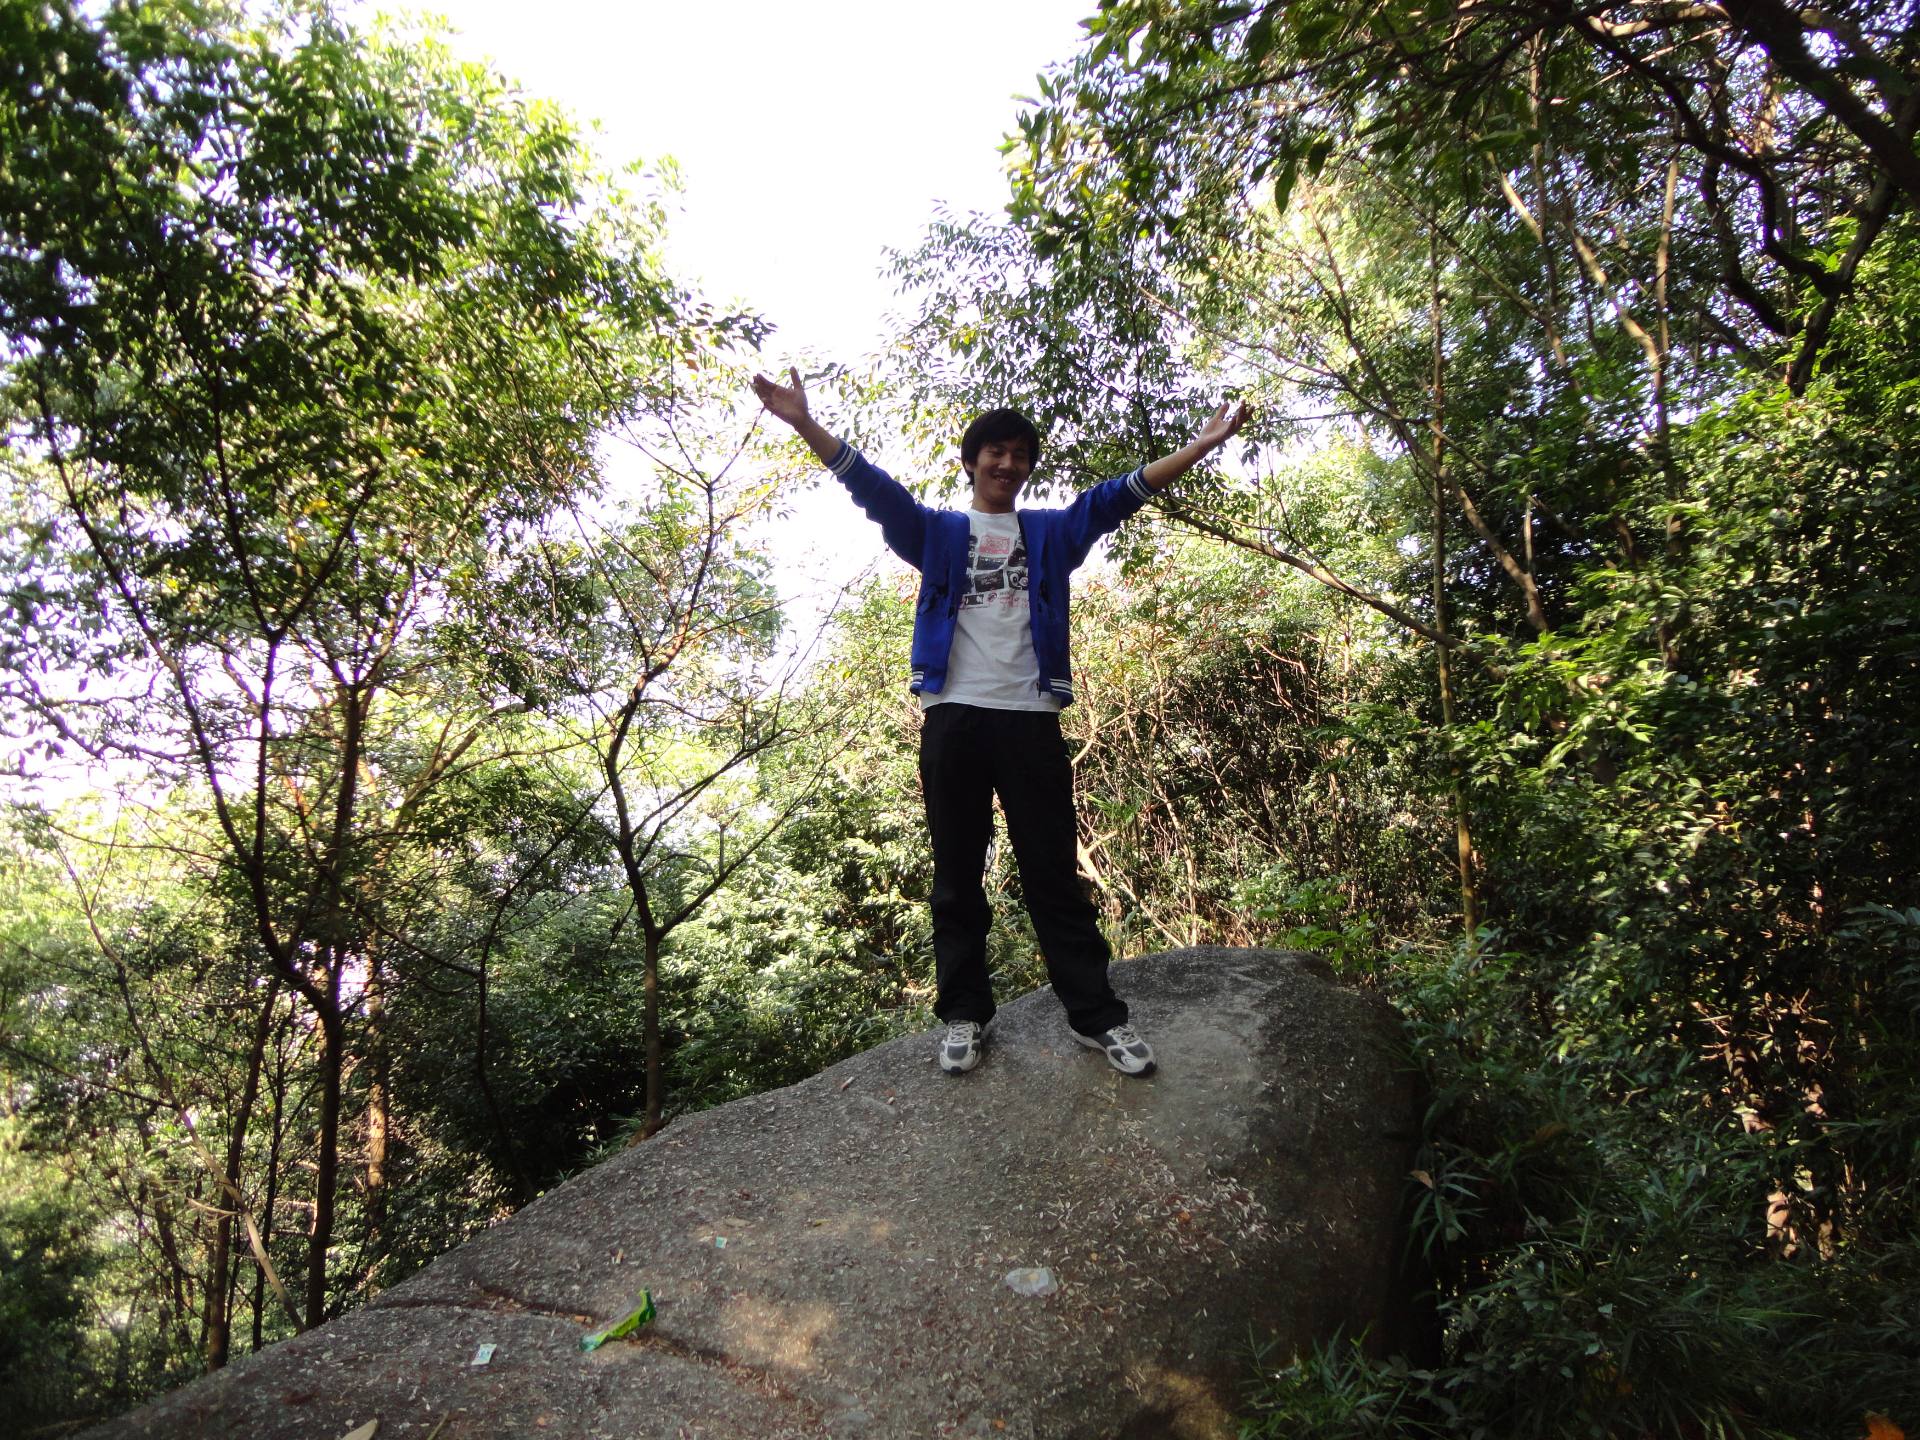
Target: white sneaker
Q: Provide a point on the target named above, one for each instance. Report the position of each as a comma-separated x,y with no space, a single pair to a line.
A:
960,1050
1127,1049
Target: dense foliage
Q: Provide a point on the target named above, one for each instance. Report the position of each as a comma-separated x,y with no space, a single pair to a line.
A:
1611,303
314,347
1547,659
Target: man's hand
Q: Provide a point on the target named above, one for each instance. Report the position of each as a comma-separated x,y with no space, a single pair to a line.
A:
789,403
783,402
1224,425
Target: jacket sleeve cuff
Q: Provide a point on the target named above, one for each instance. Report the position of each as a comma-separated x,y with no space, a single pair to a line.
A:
1137,483
843,459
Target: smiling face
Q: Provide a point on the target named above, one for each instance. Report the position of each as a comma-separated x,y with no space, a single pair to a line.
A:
1001,469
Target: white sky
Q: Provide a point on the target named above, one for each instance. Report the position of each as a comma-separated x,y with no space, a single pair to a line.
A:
811,134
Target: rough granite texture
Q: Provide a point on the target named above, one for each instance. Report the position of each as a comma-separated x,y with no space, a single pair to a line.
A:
870,1214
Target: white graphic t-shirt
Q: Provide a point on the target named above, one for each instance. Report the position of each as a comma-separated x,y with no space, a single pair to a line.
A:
992,662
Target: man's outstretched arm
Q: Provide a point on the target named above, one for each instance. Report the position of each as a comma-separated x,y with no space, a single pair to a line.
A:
788,403
1105,507
901,518
1211,436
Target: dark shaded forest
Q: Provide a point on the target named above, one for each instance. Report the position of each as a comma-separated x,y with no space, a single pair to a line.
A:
1546,655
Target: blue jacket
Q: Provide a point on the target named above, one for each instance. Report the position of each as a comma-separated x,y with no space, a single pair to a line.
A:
934,542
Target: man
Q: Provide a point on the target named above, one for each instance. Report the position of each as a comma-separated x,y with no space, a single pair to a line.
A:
990,665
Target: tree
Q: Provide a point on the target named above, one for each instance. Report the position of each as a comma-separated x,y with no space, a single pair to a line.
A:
298,328
653,643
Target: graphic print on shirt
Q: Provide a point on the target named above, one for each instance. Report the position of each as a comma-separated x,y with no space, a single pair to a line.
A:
996,571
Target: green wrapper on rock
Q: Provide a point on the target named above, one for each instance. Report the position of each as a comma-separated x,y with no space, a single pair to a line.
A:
621,1328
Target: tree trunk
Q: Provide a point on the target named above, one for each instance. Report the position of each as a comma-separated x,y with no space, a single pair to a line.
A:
355,702
219,1309
1463,835
272,1198
326,1179
379,1105
175,1305
650,991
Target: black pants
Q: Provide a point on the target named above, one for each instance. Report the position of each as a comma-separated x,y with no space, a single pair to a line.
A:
967,755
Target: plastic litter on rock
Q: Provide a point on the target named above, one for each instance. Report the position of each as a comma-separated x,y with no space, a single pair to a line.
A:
1032,1280
620,1329
483,1355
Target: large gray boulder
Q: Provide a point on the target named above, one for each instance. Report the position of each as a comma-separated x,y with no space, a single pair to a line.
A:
870,1216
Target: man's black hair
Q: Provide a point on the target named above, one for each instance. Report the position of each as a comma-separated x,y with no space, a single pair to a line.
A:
998,425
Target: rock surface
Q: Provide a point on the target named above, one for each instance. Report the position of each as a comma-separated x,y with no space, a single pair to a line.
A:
870,1217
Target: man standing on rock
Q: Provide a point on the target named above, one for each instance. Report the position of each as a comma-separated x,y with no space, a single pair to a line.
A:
989,661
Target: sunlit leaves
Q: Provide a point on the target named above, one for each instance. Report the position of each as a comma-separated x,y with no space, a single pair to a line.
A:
306,334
